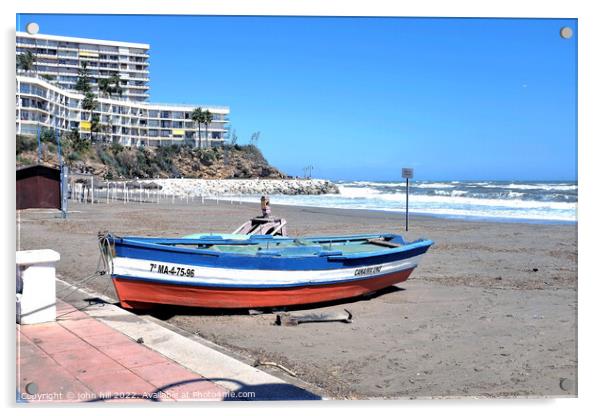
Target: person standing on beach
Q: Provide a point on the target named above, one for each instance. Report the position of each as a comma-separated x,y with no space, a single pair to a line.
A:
265,206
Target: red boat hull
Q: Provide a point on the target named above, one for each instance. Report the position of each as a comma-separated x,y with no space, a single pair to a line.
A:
138,294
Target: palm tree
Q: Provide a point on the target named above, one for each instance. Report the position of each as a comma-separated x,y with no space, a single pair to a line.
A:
116,81
83,80
198,116
95,125
104,87
26,61
110,86
207,119
89,103
107,87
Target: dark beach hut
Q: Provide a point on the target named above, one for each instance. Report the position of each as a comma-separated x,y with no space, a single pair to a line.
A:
38,186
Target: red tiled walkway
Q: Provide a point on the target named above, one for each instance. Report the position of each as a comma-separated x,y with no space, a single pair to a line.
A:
79,359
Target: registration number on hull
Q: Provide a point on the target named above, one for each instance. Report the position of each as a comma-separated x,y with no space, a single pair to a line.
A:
173,270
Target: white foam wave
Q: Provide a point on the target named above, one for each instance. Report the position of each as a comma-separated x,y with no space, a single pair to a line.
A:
439,205
358,192
534,187
434,185
444,200
375,184
467,201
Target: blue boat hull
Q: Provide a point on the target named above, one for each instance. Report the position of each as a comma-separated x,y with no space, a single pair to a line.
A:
150,271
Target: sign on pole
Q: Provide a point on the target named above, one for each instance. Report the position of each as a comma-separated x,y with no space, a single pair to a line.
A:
407,173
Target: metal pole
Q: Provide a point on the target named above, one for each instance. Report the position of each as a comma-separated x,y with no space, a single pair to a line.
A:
58,143
64,191
39,145
407,197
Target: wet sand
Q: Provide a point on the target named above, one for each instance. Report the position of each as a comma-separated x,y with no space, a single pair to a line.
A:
490,311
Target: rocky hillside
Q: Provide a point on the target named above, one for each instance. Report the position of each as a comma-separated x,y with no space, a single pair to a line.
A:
117,162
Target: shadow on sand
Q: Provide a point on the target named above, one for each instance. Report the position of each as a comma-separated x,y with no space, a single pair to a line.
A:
165,312
245,392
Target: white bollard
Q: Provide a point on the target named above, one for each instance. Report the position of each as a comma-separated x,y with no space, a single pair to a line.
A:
36,287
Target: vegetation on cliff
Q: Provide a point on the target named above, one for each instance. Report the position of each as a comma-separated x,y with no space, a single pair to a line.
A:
113,161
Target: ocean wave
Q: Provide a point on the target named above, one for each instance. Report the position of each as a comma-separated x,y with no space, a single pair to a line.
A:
534,187
470,201
443,207
373,184
357,192
434,185
499,214
483,199
450,193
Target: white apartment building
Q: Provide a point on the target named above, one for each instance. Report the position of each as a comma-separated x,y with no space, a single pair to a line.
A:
59,58
42,105
130,119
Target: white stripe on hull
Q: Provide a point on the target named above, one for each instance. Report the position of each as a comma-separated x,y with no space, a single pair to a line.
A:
124,266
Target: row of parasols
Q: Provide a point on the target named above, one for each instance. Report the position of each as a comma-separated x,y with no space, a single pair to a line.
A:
86,182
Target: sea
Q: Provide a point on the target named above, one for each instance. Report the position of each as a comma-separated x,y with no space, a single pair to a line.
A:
515,201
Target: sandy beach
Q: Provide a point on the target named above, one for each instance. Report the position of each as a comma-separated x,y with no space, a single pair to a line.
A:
491,311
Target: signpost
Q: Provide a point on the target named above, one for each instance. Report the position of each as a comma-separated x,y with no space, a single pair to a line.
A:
407,173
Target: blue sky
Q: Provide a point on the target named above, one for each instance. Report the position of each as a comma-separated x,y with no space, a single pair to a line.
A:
359,98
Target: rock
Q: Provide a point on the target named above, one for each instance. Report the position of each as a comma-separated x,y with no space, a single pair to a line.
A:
237,187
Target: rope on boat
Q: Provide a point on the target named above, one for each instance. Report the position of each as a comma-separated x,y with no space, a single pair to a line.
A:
104,265
106,252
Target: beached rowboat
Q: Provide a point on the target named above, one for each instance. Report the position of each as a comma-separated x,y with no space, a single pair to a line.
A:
241,271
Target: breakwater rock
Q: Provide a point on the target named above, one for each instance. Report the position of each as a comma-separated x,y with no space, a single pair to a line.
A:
208,187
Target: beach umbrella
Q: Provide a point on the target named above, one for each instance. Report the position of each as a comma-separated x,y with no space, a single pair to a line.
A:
151,185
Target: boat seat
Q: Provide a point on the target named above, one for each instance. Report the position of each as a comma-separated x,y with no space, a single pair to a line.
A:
383,243
292,251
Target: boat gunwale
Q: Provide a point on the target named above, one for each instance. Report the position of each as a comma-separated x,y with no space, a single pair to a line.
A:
332,256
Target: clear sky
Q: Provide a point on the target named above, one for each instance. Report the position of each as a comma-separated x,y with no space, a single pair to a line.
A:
359,98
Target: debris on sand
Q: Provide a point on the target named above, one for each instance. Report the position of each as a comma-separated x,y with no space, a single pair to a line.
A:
273,364
288,319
